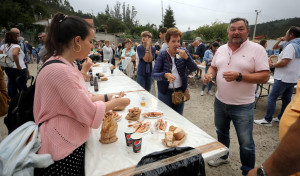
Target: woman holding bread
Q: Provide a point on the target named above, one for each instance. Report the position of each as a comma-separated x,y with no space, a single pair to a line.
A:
170,69
63,106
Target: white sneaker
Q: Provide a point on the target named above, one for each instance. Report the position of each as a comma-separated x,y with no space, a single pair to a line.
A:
276,119
217,162
210,93
201,93
263,122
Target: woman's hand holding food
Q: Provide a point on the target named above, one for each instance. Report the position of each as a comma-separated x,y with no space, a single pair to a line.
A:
171,78
182,54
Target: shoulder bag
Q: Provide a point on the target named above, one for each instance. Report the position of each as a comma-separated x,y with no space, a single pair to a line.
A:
5,61
178,97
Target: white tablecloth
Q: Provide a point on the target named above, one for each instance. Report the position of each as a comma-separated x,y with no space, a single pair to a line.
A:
201,66
102,159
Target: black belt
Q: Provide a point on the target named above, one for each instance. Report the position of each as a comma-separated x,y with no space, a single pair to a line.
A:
176,89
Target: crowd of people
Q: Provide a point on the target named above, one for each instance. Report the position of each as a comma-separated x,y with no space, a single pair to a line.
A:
64,107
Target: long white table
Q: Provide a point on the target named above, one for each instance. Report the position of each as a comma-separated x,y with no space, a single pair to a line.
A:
201,66
102,159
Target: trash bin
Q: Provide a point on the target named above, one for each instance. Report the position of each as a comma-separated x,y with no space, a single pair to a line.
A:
192,166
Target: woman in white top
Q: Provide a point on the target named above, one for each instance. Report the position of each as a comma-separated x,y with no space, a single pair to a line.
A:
128,51
107,51
17,74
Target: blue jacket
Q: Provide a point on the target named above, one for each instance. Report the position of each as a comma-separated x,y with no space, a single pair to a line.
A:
200,50
162,66
143,66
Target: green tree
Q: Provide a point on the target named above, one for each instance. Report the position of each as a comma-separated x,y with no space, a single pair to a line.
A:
136,31
212,32
16,14
100,20
189,35
117,11
115,25
169,20
107,10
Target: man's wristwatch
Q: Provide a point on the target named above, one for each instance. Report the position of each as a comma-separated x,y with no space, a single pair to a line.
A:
261,171
240,77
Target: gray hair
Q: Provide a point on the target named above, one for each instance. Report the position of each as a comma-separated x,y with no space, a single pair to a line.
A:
198,38
233,20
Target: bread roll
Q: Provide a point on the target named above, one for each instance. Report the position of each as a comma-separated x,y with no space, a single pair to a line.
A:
103,78
172,128
179,133
169,138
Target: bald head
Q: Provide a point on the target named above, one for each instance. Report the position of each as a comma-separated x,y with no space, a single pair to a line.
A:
16,30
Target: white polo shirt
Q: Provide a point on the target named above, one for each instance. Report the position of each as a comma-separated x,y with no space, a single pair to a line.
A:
291,72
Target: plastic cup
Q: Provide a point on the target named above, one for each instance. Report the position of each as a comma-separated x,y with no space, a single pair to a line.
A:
112,71
128,132
136,142
143,101
104,69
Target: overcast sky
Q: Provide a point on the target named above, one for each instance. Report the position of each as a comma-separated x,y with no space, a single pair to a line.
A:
196,13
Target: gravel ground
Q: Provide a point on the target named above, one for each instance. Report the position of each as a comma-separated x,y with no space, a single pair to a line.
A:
199,110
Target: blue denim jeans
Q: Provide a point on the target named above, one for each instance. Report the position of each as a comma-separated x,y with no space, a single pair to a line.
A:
242,118
209,83
279,88
144,81
16,80
167,99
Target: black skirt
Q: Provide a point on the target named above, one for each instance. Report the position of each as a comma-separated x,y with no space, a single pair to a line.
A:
73,164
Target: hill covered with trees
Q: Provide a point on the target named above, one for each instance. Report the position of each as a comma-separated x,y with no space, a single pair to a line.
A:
274,29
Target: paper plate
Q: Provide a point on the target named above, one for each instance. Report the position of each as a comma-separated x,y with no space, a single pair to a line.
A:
152,110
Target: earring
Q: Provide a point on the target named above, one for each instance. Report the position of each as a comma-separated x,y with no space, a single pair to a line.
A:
77,51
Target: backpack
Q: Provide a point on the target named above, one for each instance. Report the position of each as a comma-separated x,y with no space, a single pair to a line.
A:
20,108
24,48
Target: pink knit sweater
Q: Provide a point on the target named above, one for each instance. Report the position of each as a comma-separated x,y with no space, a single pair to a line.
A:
63,103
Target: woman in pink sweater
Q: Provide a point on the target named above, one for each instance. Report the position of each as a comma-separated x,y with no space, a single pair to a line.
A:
62,102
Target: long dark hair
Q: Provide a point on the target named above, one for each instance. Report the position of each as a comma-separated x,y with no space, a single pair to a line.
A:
11,38
62,30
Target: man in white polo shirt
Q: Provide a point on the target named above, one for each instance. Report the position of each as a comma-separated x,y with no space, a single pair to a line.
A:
286,76
238,65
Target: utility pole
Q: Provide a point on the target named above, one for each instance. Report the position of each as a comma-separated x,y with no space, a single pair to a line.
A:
257,12
162,13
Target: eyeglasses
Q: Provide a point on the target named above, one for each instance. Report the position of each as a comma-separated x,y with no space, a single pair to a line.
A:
41,37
